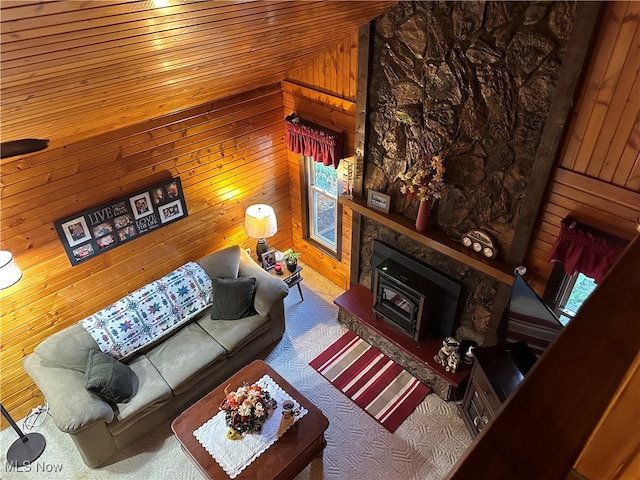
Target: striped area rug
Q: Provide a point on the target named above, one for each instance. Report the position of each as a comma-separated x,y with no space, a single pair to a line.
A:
377,384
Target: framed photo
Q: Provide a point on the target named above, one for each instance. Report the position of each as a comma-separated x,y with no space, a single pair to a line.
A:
141,205
172,190
269,259
83,251
76,231
102,227
378,201
106,241
170,211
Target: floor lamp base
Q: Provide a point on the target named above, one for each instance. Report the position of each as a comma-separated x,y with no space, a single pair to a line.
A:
26,450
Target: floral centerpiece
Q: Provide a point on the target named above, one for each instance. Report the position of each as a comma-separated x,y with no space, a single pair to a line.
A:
425,180
247,409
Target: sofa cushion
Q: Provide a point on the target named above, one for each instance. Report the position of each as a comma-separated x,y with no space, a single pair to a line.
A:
223,263
148,314
232,298
68,348
183,355
108,378
151,393
233,335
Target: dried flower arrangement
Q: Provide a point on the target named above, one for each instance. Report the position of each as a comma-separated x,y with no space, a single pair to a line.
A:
424,180
247,409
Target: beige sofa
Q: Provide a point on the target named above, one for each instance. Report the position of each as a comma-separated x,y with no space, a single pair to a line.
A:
170,375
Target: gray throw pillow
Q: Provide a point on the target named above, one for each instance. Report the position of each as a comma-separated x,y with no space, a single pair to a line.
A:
108,378
232,298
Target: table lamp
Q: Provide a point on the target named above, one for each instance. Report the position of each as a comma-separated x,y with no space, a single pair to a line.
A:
260,222
27,448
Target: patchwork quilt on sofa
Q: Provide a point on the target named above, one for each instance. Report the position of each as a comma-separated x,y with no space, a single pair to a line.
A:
149,313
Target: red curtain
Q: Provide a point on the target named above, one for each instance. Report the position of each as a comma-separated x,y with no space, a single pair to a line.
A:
312,140
583,252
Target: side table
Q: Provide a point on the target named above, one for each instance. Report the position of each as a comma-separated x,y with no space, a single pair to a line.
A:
290,278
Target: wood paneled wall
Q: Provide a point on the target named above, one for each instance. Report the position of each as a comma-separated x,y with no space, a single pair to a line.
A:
337,114
598,174
229,154
324,92
604,135
605,456
334,72
598,182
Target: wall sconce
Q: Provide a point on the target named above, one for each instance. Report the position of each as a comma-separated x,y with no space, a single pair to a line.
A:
260,222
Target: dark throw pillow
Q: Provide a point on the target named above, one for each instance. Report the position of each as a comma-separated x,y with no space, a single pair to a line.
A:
232,298
108,378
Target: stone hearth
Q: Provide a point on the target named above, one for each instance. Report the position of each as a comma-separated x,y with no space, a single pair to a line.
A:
356,313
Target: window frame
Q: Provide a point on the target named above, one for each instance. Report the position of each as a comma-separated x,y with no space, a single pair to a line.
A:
305,197
558,290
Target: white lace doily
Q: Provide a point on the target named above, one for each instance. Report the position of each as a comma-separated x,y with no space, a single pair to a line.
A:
233,456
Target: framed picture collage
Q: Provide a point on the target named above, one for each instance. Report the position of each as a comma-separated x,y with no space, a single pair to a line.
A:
103,227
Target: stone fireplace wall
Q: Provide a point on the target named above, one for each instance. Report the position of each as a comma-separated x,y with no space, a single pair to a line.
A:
473,81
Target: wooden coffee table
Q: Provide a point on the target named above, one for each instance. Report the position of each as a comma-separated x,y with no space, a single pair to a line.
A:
287,457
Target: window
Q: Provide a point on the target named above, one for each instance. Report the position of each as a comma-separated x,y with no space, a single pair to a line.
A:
578,248
574,290
322,205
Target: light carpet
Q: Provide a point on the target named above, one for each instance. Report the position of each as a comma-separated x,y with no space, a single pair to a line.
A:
374,382
424,447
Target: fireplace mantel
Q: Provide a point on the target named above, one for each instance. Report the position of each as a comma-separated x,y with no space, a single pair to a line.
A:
434,239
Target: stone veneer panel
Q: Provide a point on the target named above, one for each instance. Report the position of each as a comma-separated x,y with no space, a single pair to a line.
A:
475,80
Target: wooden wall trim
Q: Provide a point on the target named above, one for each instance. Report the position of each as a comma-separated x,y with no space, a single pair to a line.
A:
364,61
544,425
587,20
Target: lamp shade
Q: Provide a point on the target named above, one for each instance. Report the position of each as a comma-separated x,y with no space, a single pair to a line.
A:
260,221
10,273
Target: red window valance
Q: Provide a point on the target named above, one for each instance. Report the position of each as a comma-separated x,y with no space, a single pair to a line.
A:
312,140
582,250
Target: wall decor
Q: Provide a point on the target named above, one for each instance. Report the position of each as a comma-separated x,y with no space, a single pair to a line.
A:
481,242
103,227
378,201
269,259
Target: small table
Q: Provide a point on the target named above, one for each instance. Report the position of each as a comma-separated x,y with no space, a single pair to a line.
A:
285,459
290,278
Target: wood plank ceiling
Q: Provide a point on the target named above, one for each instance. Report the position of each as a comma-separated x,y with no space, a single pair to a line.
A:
71,70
